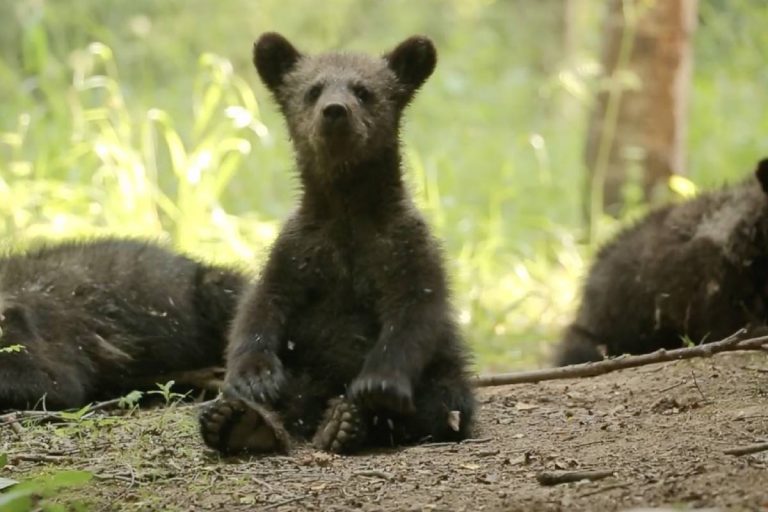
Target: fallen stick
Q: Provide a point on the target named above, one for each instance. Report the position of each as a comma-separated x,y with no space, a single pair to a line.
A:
563,477
16,427
285,502
755,369
14,417
66,415
746,450
607,488
374,474
204,378
35,457
472,440
730,343
107,404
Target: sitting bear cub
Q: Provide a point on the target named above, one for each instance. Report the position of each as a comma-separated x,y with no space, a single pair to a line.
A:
697,269
348,335
84,321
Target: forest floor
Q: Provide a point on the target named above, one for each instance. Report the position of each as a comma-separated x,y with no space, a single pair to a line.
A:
661,430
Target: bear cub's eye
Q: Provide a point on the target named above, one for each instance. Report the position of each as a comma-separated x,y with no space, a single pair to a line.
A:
362,93
313,93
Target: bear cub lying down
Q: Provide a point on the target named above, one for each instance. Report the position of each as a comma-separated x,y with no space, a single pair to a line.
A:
98,319
348,335
697,269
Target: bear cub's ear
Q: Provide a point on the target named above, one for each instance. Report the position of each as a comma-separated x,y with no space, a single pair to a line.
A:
413,61
273,57
762,174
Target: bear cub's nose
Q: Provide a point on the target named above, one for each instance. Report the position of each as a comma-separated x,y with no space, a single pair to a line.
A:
334,112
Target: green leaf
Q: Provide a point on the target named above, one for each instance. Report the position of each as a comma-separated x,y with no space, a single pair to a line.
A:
5,483
76,415
67,479
19,499
130,399
15,501
11,348
682,186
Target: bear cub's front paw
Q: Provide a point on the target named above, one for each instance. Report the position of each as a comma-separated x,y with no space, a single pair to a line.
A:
383,391
258,377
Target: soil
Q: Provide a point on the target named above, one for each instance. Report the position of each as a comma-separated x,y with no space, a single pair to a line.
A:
661,430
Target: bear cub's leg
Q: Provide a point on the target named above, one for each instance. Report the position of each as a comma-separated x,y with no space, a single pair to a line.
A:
443,410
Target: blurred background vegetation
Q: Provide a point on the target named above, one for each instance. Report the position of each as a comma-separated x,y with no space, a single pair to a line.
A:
146,118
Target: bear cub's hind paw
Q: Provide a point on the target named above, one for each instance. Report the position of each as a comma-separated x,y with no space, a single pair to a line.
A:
235,426
343,429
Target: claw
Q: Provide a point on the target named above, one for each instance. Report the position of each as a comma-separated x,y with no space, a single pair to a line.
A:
257,378
389,393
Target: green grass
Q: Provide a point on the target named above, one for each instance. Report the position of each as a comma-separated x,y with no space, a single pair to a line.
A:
146,118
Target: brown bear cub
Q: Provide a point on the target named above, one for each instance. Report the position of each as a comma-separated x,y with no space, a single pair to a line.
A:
84,321
697,270
348,336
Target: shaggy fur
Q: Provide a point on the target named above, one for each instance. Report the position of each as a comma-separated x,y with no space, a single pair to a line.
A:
353,301
94,318
698,270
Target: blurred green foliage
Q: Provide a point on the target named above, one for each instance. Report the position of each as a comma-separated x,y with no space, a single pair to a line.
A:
145,117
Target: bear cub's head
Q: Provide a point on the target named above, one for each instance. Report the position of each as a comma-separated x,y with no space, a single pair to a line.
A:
342,109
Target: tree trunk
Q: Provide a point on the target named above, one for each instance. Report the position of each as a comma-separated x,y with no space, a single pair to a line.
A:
639,117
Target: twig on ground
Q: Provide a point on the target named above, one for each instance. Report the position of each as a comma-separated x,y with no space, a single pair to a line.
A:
15,425
731,343
562,477
746,450
195,405
12,418
115,476
285,502
204,378
696,383
441,444
107,404
41,416
35,457
15,416
131,481
755,369
673,386
605,489
477,440
263,483
374,473
589,443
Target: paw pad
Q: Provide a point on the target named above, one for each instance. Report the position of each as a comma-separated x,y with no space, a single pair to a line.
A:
235,426
342,430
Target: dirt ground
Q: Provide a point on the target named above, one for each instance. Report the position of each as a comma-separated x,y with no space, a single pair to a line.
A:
660,429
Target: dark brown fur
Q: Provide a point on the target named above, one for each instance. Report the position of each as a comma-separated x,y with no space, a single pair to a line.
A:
94,318
698,269
353,300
